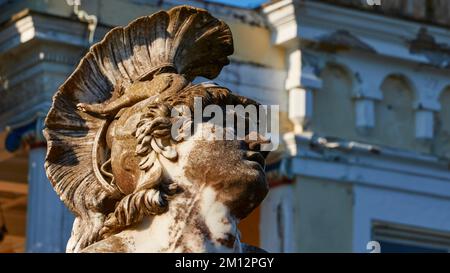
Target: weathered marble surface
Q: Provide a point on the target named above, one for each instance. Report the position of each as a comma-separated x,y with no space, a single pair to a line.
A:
113,160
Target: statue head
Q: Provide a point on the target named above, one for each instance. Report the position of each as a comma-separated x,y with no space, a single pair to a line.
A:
155,154
121,144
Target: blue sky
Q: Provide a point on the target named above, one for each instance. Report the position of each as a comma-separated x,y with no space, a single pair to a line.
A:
250,4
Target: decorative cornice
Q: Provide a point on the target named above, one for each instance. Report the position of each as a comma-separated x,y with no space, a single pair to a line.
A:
282,20
368,165
310,21
323,144
44,27
222,11
34,61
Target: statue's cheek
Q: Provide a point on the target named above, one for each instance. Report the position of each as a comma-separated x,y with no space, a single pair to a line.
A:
125,169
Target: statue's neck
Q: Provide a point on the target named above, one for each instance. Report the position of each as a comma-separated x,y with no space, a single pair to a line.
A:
195,222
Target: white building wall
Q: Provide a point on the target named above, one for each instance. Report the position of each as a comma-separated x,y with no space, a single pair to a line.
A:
263,84
397,207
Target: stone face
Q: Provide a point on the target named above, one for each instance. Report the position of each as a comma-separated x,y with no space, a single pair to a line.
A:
114,161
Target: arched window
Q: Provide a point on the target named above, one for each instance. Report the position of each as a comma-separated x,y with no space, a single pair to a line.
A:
394,114
441,144
333,104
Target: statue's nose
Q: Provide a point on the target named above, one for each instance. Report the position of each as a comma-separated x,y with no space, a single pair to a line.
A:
257,157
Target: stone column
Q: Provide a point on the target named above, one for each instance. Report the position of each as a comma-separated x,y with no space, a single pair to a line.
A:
277,224
425,109
366,95
424,124
364,114
49,222
301,83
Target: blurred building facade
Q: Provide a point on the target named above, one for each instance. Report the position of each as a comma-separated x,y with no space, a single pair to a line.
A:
364,93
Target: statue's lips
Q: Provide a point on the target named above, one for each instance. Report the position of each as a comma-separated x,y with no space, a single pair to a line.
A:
257,158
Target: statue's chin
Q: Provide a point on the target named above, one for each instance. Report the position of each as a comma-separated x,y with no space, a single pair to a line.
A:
249,196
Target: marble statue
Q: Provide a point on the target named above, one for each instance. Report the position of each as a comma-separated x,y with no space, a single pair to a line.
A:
132,185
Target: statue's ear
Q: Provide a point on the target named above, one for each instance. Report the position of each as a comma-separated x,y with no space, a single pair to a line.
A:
165,147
